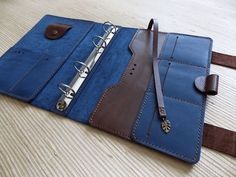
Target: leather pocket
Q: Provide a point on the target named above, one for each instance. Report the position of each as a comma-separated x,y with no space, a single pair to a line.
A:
179,82
23,73
118,107
184,105
184,139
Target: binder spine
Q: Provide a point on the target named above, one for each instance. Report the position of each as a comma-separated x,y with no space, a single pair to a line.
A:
83,68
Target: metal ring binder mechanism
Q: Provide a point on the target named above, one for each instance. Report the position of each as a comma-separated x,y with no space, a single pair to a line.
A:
83,68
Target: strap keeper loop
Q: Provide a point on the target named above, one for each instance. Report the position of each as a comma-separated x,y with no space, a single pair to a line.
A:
208,84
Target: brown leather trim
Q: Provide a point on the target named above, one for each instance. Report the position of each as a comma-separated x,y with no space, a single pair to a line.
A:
224,60
56,31
207,84
117,109
219,139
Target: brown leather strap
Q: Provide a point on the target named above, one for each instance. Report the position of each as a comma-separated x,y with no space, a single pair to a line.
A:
159,95
224,60
216,138
219,139
153,23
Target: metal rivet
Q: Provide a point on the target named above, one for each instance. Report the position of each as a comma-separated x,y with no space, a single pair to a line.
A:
61,105
54,32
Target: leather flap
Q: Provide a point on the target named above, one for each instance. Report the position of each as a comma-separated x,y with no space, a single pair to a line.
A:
117,109
56,31
207,84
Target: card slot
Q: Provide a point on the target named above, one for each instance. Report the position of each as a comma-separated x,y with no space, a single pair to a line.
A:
179,82
197,50
12,69
163,69
184,139
35,39
23,73
184,104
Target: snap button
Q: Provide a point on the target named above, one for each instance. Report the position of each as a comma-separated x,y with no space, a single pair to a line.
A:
56,31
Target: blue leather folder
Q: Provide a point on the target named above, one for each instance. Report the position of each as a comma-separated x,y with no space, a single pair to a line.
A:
33,69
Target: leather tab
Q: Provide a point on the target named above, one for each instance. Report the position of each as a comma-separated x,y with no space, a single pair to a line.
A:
208,84
56,31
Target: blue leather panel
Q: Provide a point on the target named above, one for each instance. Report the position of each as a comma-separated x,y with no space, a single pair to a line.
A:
12,69
49,96
184,105
183,87
106,73
28,66
35,40
33,68
40,65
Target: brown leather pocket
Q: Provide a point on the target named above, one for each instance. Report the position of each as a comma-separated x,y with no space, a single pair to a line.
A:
117,109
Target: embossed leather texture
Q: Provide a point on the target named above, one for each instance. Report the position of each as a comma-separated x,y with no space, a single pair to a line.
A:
32,69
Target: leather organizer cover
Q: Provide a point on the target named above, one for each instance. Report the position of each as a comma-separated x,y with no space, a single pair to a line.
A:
118,95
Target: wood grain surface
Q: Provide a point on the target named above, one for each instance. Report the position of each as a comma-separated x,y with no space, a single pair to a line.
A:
34,142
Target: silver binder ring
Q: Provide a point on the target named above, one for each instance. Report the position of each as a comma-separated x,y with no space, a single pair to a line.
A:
109,27
81,71
101,43
67,90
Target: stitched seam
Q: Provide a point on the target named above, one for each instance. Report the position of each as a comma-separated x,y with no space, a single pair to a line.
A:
164,46
167,70
202,108
150,126
98,107
184,63
181,100
151,144
161,54
164,80
173,50
121,133
39,58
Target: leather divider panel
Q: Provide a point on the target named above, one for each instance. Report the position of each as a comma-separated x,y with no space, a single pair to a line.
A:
106,73
117,109
185,106
33,61
48,97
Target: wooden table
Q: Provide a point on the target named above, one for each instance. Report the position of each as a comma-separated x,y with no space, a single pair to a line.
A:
34,142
